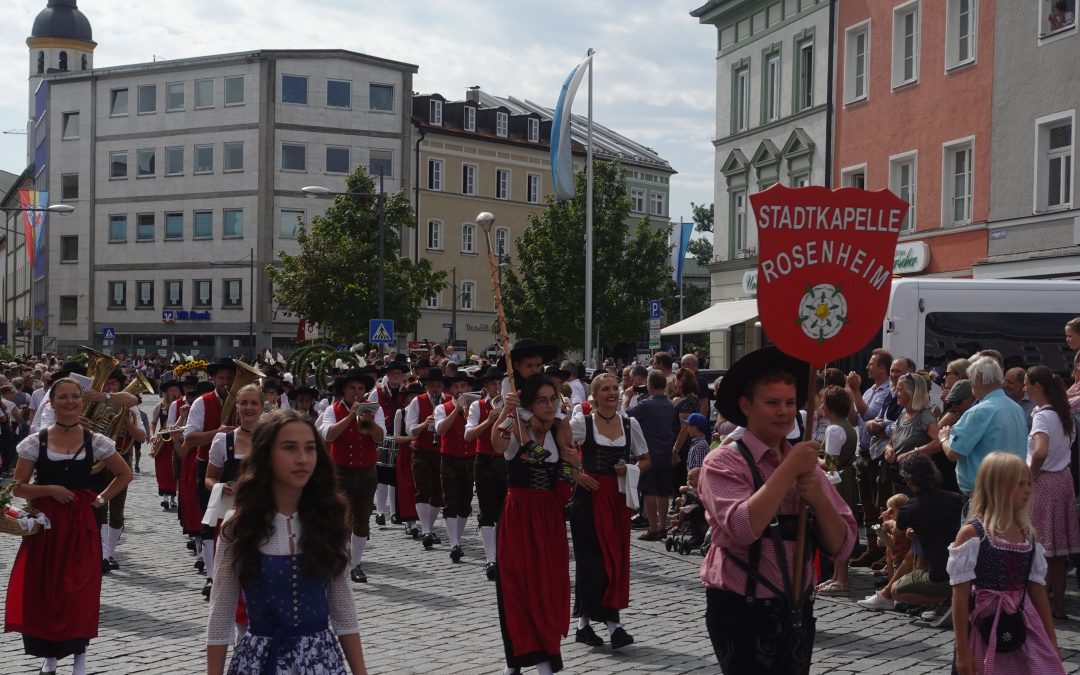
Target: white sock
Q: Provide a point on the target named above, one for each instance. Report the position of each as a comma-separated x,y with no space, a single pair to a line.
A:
391,494
80,665
462,521
421,511
487,535
105,542
208,557
380,498
198,545
613,626
114,538
582,622
427,518
358,545
544,668
48,665
452,531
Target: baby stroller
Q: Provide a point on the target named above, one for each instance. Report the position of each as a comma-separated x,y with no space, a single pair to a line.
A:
689,532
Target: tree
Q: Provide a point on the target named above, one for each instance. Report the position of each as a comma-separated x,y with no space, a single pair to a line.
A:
702,248
333,281
545,294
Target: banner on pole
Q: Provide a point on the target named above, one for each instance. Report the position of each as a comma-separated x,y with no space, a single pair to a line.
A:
824,267
34,202
562,156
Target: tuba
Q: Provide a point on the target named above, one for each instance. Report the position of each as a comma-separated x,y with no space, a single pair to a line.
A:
110,421
99,365
245,375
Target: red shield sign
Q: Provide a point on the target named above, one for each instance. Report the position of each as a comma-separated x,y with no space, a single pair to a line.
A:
825,261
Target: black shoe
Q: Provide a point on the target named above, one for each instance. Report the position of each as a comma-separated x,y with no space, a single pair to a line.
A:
429,541
206,588
620,638
588,636
164,504
491,570
357,575
105,566
380,520
199,565
435,538
394,519
191,544
456,554
112,563
413,532
137,469
639,523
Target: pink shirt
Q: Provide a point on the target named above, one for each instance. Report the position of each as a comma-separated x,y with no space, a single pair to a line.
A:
725,487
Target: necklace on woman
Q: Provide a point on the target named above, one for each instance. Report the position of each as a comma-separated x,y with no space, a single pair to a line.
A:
246,431
607,417
66,426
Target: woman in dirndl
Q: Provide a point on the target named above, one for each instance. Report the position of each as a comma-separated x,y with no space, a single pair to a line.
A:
406,486
54,593
286,548
1053,504
599,516
533,581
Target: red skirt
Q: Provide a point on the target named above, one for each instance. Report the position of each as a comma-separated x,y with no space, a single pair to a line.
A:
163,470
533,583
406,487
612,520
54,592
190,509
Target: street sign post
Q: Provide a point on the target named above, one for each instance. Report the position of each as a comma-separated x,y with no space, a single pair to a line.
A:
655,308
381,331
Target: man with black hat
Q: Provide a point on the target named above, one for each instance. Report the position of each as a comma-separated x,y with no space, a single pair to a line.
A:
456,460
110,516
353,434
159,422
390,396
203,423
420,423
490,466
751,491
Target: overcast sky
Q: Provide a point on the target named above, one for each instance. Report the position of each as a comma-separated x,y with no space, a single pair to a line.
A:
654,79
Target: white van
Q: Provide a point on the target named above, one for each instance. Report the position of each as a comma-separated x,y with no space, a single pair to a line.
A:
936,320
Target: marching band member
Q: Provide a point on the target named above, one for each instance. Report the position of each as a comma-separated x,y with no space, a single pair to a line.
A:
490,468
353,436
455,462
303,399
223,463
420,423
390,395
271,392
203,423
159,421
406,488
111,514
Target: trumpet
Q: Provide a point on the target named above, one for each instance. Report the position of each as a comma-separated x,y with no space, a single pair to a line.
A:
497,402
162,437
365,417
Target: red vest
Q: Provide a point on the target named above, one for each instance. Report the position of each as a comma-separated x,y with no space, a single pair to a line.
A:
452,442
426,439
211,420
482,445
390,403
351,449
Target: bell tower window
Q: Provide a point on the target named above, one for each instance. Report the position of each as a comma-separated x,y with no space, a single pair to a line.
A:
40,62
63,61
84,61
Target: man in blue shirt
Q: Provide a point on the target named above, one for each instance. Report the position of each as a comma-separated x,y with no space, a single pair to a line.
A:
996,422
656,415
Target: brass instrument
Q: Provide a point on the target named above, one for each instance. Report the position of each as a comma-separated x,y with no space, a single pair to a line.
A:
162,437
110,420
365,417
497,402
245,375
99,366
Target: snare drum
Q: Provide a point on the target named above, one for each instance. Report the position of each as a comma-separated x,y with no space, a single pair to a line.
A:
387,454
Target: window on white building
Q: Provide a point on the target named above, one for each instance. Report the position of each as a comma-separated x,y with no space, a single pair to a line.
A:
233,156
1054,162
532,188
232,223
740,100
147,99
145,163
902,182
118,102
468,179
434,174
957,182
294,89
656,203
144,294
69,248
805,85
637,200
337,160
502,184
433,301
232,293
960,30
502,242
905,57
468,295
468,238
502,124
174,225
234,90
534,130
434,235
470,118
69,186
174,161
145,227
381,97
174,96
204,159
70,125
202,225
1056,16
204,93
436,112
69,308
174,293
203,289
738,223
854,177
338,94
118,164
857,63
381,163
289,223
772,89
293,157
117,294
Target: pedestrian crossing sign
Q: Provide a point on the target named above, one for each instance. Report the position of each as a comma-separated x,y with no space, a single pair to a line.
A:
381,331
108,333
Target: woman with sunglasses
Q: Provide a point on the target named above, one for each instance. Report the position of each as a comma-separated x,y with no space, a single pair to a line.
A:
916,431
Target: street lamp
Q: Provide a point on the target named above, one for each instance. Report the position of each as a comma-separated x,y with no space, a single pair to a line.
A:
51,208
251,296
380,207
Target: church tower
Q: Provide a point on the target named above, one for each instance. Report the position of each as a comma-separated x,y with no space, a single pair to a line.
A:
61,40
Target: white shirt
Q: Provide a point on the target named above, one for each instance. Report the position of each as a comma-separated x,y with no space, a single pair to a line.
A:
174,413
322,405
1046,421
285,540
835,437
218,455
638,446
37,397
103,446
578,395
328,418
197,416
412,414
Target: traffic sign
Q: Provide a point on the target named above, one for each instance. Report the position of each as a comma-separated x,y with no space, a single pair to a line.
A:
654,333
108,333
343,347
654,309
48,343
381,331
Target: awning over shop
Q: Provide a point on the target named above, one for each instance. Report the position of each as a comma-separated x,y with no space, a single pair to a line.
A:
721,316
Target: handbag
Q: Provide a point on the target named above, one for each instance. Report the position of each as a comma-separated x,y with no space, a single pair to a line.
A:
1011,629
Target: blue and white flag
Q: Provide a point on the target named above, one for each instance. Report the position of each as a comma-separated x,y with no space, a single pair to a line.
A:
562,156
679,250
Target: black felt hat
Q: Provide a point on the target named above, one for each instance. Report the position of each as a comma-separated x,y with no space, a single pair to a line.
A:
737,379
303,391
190,380
360,376
399,366
221,364
415,389
491,373
551,370
526,347
457,376
169,384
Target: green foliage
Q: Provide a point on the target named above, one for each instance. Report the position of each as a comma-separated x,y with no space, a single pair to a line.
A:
702,248
545,292
333,281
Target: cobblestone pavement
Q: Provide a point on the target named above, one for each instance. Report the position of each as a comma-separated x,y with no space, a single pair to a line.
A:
422,614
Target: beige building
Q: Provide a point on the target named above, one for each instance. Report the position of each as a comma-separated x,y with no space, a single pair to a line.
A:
487,153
